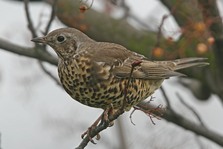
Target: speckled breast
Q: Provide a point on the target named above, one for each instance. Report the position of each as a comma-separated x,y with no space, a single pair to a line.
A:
81,84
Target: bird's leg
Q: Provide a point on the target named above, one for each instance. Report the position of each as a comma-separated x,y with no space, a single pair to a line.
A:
88,131
104,118
107,112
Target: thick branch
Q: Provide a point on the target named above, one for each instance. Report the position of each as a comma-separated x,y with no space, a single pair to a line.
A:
210,13
183,11
25,51
186,124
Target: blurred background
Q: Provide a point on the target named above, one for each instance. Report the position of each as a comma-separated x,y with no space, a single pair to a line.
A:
35,112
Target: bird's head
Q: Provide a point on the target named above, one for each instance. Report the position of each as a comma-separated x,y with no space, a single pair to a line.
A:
64,41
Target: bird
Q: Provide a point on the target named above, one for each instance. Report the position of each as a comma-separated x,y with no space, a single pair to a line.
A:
96,73
103,74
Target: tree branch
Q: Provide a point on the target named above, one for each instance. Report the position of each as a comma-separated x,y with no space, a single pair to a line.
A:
28,52
49,74
29,20
191,109
52,16
186,124
166,98
99,128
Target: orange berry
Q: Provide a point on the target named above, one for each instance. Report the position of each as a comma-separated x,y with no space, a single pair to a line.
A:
158,52
202,48
200,26
211,40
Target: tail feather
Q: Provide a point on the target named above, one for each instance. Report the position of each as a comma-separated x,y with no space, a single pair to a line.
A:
190,62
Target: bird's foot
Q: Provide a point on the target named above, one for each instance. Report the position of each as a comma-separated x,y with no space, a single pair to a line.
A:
104,118
90,129
107,112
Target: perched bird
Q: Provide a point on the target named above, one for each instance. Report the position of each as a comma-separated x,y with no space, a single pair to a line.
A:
102,74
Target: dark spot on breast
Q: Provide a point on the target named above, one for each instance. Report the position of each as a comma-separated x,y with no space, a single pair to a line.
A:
81,83
81,90
99,94
90,90
77,60
103,86
88,70
135,87
88,63
93,95
115,90
96,88
106,92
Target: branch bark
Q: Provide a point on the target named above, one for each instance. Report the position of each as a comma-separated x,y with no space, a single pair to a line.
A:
179,120
27,51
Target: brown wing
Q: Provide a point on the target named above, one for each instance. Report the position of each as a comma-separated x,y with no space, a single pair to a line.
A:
109,58
158,69
113,54
148,70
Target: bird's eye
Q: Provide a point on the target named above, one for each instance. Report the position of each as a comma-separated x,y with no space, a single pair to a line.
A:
60,38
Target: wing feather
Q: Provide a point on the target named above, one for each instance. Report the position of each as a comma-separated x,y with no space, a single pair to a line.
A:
120,60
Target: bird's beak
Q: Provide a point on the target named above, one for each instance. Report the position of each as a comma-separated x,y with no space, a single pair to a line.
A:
39,40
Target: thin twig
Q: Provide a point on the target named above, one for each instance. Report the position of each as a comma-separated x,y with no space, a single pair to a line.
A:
134,64
126,8
52,15
29,20
191,109
159,34
131,114
166,98
48,73
152,113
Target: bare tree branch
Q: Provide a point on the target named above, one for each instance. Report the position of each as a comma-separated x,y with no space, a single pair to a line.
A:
166,98
191,109
49,74
197,116
99,128
28,52
186,124
52,16
29,20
